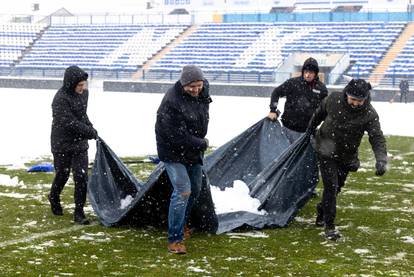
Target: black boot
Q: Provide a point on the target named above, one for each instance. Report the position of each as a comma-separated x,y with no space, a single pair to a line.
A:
319,216
332,234
55,205
79,218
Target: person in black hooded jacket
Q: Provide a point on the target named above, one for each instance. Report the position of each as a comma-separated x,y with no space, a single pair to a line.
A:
346,116
404,89
71,129
181,127
303,95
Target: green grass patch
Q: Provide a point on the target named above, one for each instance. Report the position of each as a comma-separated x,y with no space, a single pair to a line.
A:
374,215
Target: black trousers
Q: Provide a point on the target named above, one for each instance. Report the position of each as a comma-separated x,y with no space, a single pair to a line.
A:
333,176
64,162
403,95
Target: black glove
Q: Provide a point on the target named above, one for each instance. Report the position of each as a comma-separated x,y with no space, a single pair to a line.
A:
311,131
95,134
353,166
207,142
381,168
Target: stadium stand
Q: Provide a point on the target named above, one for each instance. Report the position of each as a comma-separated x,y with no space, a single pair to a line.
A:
239,52
14,39
259,48
403,65
99,47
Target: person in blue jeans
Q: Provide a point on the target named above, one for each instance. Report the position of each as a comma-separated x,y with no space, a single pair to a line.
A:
180,129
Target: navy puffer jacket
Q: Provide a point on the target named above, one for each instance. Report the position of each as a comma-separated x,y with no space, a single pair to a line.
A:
182,122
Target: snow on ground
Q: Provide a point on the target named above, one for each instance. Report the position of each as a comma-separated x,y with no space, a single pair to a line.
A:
320,261
6,180
254,234
358,192
14,195
126,121
408,239
361,251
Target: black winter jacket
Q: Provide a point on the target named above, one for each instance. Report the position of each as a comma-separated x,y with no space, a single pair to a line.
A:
302,99
181,125
340,135
71,127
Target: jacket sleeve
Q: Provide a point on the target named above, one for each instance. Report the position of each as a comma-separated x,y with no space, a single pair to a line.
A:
377,139
61,111
324,91
88,122
173,126
318,116
280,91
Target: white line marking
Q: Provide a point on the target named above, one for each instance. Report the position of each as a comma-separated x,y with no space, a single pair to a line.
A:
45,234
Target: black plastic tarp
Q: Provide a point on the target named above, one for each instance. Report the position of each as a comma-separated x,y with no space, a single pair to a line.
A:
112,183
280,175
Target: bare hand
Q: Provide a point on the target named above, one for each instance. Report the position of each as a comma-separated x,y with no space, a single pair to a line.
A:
272,116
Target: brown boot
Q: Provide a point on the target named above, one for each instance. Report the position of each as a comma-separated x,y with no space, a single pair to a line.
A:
187,232
177,247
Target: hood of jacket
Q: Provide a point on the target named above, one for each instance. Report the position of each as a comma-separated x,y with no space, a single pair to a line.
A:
73,75
310,64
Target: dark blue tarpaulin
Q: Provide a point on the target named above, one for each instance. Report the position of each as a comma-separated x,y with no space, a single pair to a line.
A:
280,175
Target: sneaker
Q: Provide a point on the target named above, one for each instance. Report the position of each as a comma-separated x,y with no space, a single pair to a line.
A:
187,232
319,222
55,205
79,218
177,247
332,234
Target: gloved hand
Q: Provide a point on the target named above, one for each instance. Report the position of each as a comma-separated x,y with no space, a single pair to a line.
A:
381,168
311,130
95,134
353,165
207,142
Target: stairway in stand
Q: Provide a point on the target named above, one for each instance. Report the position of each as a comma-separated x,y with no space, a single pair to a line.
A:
164,51
379,72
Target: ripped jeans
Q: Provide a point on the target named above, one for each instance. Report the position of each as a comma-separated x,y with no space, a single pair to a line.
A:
186,181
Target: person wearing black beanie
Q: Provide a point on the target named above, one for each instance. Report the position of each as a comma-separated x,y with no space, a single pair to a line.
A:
303,95
346,116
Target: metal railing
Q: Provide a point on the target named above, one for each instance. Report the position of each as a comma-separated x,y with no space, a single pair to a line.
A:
389,80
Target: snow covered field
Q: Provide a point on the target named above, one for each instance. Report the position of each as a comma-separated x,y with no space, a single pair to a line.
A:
374,214
126,121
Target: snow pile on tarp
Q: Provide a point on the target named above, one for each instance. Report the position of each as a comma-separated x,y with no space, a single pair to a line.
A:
235,198
279,175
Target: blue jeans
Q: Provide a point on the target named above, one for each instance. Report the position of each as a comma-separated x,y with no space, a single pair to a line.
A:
186,181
